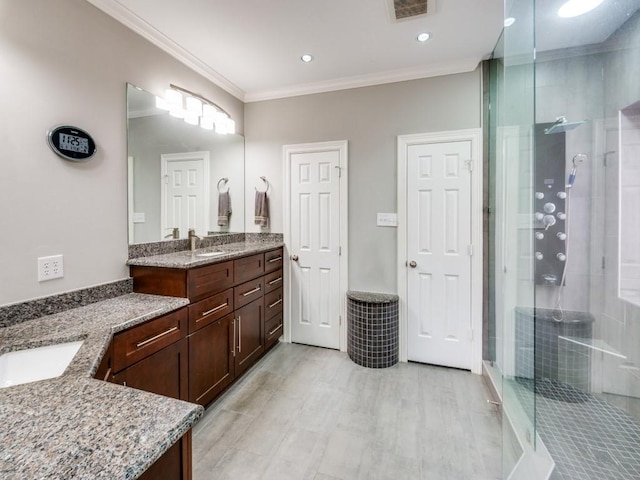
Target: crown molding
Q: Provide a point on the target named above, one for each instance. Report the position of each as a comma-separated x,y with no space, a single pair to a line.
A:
380,78
129,19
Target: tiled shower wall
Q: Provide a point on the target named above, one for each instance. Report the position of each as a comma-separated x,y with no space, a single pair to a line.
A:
594,86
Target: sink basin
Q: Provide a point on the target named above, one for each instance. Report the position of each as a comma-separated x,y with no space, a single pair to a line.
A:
33,364
209,254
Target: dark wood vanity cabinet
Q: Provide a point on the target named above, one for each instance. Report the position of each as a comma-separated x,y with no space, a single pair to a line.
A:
234,317
153,357
211,360
250,346
164,372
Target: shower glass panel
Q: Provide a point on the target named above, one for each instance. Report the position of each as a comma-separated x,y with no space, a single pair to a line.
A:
565,235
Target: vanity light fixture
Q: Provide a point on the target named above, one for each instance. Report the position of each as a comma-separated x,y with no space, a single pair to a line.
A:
196,109
306,58
574,8
509,21
423,37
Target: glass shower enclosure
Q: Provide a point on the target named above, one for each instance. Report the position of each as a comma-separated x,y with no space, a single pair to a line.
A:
564,235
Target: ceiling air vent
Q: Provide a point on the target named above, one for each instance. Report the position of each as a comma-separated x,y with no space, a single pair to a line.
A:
405,9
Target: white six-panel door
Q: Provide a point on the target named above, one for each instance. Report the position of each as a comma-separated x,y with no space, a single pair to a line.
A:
438,253
185,192
314,245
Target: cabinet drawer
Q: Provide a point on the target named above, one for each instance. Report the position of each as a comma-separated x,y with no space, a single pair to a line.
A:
248,292
273,260
248,267
142,340
272,330
210,309
273,281
273,303
203,281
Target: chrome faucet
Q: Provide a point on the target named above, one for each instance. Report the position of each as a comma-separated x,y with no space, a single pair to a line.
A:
192,239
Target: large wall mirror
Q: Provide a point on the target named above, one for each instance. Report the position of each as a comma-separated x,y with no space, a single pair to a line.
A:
180,176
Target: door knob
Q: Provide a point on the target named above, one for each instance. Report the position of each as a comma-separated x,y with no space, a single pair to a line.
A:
294,258
413,264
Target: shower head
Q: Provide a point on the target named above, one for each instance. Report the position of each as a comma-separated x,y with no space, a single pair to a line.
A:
579,158
561,125
576,160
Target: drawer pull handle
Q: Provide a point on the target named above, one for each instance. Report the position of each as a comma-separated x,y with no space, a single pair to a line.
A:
152,339
251,292
275,303
234,337
275,330
239,334
275,259
277,280
219,307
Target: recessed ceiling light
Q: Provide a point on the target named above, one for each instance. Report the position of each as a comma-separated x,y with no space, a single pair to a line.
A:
423,37
509,21
573,8
306,58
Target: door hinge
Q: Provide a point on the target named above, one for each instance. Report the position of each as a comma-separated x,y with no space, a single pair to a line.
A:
603,263
339,171
166,179
470,250
470,165
340,320
339,251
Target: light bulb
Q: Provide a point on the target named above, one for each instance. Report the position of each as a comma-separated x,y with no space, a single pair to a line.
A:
194,106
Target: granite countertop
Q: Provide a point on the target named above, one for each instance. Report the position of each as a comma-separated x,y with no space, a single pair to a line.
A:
188,259
74,426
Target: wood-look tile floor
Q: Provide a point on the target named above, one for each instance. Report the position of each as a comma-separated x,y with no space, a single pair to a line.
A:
306,413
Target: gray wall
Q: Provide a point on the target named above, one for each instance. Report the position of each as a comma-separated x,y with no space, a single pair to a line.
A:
66,62
370,119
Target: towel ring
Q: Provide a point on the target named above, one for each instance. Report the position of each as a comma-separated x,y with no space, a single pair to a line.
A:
223,179
264,179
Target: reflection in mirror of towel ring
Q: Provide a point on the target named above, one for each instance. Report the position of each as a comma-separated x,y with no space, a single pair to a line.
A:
222,180
264,179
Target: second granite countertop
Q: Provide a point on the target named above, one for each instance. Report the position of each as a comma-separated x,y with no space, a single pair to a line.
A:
74,426
188,259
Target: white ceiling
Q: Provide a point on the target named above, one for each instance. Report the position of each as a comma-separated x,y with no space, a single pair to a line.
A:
252,48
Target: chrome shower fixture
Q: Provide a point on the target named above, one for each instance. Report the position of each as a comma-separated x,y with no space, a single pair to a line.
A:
561,125
576,160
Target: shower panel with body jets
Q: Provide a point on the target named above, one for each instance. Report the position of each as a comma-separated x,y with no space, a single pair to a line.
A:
552,201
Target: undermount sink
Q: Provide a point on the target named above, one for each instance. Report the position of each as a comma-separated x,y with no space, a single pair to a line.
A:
33,364
209,254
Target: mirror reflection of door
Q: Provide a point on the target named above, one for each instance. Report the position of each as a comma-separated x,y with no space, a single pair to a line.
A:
185,193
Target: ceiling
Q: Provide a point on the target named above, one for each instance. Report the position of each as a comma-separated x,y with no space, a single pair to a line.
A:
252,48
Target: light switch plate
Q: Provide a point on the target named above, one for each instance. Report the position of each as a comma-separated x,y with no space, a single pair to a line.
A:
387,219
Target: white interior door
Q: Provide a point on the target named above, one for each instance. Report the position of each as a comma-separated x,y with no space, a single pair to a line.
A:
439,253
314,243
185,193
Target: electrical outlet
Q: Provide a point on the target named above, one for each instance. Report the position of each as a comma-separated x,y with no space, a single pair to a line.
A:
50,268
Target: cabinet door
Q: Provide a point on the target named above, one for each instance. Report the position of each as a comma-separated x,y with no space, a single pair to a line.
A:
211,361
250,335
175,464
165,372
